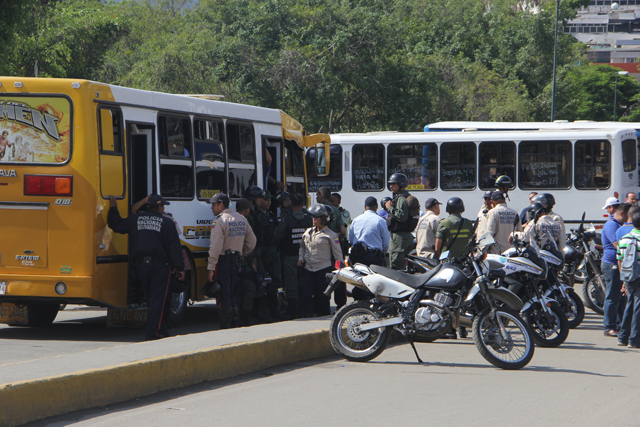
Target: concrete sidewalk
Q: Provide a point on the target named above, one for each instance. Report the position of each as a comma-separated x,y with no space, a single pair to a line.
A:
51,386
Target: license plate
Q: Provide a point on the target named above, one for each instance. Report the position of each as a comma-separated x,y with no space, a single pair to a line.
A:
3,288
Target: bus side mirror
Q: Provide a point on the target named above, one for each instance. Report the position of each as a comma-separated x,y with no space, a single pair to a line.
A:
322,159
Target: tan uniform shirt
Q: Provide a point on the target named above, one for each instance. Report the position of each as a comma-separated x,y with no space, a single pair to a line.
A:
230,231
483,216
501,222
562,240
426,234
545,225
317,246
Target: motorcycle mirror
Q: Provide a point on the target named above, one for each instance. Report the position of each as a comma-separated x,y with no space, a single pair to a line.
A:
444,255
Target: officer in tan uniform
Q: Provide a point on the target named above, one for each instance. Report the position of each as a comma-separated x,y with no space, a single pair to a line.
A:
545,226
231,238
501,222
549,202
319,245
483,214
426,229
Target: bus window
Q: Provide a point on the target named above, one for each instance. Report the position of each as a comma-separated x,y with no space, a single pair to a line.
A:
241,152
334,179
294,167
629,155
458,166
209,144
496,159
368,167
419,162
176,168
592,164
544,164
112,176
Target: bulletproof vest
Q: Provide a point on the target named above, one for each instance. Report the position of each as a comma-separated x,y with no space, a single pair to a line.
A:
266,224
412,220
294,229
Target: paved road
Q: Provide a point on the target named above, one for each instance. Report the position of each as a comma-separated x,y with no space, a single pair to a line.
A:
80,328
587,381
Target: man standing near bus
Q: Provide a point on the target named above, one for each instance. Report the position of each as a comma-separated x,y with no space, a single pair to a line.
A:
502,221
427,228
231,238
632,199
483,214
399,218
156,251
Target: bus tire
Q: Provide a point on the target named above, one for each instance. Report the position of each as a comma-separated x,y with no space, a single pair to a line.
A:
42,314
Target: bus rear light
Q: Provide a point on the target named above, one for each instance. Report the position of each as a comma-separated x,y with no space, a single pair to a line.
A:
48,185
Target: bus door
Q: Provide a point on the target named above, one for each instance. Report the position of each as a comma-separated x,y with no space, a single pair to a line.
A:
142,182
273,169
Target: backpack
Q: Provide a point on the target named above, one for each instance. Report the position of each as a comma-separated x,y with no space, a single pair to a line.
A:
630,267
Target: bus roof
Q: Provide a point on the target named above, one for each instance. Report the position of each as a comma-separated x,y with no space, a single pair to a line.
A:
506,126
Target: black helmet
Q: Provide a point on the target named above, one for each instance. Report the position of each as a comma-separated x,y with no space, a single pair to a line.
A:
398,178
253,192
455,205
540,198
282,196
529,213
319,210
384,201
539,208
504,181
551,201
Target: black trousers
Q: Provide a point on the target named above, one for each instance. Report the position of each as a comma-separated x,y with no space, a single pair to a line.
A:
228,275
368,258
312,299
154,279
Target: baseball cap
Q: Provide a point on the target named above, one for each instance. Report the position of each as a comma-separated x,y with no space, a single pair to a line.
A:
611,201
431,202
220,197
487,194
282,196
242,204
157,200
497,195
370,201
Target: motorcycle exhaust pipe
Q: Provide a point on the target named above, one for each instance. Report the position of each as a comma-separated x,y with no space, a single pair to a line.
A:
349,276
466,320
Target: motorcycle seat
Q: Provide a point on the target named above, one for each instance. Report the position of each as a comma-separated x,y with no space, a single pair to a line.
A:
411,280
429,261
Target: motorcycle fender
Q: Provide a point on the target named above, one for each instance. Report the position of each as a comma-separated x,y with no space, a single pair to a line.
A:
507,297
386,287
472,293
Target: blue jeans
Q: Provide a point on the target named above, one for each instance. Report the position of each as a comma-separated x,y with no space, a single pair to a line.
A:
631,320
613,302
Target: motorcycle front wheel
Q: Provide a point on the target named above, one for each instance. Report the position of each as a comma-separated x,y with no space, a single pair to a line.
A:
511,352
593,295
349,341
548,331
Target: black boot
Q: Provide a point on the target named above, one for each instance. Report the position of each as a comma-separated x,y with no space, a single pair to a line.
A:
292,311
224,318
234,317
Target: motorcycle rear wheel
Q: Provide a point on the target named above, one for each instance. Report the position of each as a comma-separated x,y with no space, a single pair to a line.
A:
513,353
348,341
576,313
548,332
593,295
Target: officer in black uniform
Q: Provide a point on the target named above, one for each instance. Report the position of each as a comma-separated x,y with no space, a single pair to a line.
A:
156,251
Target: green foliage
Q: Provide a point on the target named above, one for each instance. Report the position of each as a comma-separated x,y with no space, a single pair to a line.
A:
335,65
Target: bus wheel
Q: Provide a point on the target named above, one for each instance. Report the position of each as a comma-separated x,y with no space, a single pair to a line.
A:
178,307
42,314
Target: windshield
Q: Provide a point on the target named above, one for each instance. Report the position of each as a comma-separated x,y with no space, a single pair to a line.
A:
35,130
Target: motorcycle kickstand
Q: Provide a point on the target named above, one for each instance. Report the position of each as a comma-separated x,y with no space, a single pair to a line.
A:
413,346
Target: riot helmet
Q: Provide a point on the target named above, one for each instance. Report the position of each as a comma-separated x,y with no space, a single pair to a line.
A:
398,178
253,192
539,208
383,202
504,181
540,198
551,201
321,211
455,205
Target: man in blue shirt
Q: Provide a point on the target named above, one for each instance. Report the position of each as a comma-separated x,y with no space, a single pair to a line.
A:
369,238
613,309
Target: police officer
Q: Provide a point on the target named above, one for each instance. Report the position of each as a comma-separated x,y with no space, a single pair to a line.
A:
453,235
284,202
288,235
398,208
231,238
369,238
267,254
338,226
542,226
453,232
504,184
427,228
501,222
483,214
156,250
382,212
319,244
248,270
549,202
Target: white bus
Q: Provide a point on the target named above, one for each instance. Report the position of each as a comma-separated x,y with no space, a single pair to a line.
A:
514,126
581,168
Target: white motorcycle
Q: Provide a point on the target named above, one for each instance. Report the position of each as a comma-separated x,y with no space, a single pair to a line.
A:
431,303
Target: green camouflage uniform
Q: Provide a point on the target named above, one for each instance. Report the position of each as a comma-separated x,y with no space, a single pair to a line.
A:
401,242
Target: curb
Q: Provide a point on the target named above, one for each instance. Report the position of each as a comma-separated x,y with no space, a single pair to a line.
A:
27,401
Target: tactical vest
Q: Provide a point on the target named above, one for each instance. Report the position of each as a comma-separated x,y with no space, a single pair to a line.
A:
294,229
266,224
412,220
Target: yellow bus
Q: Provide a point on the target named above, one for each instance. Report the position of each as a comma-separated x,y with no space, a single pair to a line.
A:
66,145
